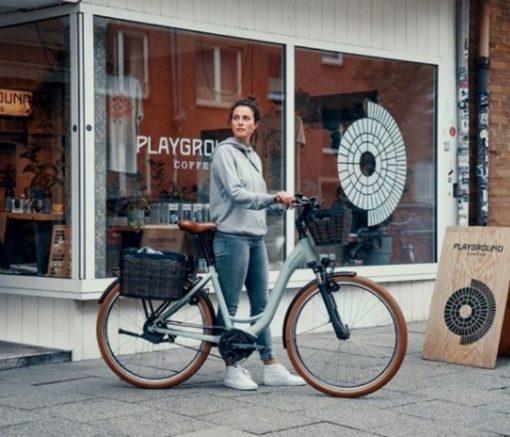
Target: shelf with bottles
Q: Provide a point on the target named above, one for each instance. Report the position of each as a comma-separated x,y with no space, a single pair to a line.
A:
172,212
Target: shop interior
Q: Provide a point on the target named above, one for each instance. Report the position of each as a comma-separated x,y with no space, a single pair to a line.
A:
34,146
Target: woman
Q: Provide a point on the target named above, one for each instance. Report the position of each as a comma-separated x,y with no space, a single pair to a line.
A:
238,203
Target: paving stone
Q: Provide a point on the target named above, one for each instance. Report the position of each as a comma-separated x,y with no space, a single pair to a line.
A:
293,399
414,343
416,373
195,404
499,407
10,416
322,429
470,378
114,389
41,397
218,389
442,411
9,389
217,431
47,374
355,416
497,423
97,368
259,420
465,395
53,427
415,426
150,423
93,410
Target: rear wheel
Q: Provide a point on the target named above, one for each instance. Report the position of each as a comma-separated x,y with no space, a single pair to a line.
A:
152,360
364,362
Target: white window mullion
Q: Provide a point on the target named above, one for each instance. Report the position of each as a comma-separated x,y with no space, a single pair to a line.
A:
239,74
76,56
217,74
290,141
87,150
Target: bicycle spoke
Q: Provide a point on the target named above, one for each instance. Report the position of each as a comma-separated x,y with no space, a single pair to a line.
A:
314,329
353,366
153,358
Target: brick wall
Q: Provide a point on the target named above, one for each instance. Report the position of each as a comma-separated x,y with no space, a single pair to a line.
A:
499,130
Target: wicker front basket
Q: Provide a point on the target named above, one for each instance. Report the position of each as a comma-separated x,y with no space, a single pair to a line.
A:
153,275
329,226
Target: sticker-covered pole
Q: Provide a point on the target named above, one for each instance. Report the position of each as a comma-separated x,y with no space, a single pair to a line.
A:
462,193
482,158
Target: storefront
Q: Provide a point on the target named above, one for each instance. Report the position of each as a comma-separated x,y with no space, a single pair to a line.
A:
109,118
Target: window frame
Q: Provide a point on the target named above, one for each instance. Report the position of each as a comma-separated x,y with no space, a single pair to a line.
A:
84,285
219,93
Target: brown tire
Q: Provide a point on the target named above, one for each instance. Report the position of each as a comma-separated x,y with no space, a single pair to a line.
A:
151,362
359,365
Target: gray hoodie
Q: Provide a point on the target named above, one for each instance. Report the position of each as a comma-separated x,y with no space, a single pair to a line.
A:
238,194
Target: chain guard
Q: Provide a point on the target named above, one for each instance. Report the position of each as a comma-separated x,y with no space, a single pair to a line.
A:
236,345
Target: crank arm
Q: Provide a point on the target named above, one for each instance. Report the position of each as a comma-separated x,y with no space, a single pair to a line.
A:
132,334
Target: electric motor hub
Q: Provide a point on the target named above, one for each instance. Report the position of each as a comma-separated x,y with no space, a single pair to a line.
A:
236,345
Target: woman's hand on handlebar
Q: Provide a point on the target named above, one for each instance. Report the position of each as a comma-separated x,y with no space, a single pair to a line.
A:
307,202
284,198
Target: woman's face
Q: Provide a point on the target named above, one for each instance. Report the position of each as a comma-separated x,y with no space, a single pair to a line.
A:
243,124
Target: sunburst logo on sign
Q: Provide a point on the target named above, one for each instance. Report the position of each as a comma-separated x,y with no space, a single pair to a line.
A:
372,163
470,311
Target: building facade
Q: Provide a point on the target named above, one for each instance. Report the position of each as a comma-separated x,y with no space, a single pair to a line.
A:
110,111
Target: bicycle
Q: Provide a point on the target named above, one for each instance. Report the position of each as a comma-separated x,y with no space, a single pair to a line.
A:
344,334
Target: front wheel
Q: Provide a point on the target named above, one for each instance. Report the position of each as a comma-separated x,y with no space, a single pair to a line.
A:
152,360
364,362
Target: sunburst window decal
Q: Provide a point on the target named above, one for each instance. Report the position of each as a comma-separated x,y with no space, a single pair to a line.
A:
372,163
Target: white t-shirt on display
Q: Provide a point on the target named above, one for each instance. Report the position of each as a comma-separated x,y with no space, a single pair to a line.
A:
125,111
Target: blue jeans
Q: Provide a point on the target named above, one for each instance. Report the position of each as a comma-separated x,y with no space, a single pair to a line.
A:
243,260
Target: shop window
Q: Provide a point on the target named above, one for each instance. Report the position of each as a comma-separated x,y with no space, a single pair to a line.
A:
218,76
35,191
153,152
370,147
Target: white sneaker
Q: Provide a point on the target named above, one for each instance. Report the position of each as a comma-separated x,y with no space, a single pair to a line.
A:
276,374
239,378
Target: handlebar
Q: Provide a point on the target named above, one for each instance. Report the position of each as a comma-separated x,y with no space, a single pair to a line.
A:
306,204
301,201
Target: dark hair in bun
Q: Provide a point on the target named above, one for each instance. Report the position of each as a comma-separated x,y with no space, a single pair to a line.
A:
251,103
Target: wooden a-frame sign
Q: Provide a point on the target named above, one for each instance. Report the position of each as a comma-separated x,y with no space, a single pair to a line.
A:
469,320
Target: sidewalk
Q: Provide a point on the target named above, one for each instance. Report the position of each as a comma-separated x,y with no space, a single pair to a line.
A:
424,399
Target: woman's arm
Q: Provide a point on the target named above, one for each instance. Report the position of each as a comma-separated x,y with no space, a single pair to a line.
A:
224,168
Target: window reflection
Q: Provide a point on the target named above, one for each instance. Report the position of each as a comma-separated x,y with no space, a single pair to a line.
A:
35,189
369,127
161,108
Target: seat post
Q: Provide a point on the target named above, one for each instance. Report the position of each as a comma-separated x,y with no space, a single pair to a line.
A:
205,239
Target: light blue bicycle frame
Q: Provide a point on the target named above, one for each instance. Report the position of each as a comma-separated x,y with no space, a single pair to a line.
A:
303,253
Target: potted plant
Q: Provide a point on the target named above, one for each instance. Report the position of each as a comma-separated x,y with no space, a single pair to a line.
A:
137,206
47,175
